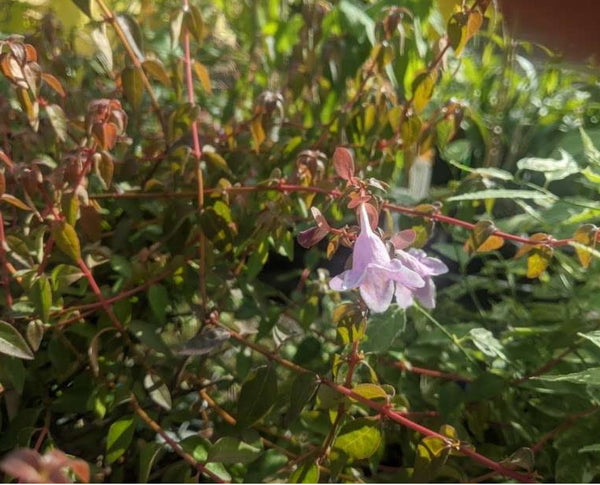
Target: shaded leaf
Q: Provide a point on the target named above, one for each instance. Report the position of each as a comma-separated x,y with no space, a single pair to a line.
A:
133,86
590,377
11,342
229,450
382,329
257,396
148,453
303,389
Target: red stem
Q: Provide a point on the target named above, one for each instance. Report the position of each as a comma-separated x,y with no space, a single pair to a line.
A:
4,263
399,418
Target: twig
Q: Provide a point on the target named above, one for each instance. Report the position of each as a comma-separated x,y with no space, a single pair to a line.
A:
112,19
189,459
570,421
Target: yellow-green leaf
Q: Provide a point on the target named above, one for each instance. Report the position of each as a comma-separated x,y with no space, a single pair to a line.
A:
538,260
359,439
66,239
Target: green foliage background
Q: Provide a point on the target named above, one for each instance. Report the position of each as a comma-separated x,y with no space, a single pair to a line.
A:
508,361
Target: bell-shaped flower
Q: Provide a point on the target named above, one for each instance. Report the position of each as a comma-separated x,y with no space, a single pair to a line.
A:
373,271
426,267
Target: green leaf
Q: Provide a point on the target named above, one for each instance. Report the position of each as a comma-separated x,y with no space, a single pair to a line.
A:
382,329
158,391
58,120
146,332
216,160
11,342
41,297
159,300
356,17
590,449
423,89
351,323
499,194
257,396
590,377
196,446
552,169
370,391
485,341
303,389
229,450
148,453
35,333
359,438
133,86
66,239
85,6
432,453
119,438
306,473
592,154
593,337
133,33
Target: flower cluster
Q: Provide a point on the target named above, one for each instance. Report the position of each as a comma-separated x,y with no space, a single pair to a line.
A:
379,276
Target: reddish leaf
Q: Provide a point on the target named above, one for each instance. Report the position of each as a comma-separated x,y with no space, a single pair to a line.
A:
343,163
403,239
309,237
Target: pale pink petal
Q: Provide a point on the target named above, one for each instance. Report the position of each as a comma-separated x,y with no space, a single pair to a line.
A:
426,295
347,280
404,296
377,291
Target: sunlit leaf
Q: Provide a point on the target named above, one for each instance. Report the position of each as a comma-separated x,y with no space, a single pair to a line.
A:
359,438
119,438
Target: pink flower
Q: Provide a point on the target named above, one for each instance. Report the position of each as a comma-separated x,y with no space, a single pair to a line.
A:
373,271
424,266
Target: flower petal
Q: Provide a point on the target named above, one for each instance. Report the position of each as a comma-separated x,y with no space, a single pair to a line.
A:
404,275
377,291
347,280
426,295
404,296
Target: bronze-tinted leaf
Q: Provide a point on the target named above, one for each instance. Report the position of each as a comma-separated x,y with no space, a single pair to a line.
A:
258,132
343,163
586,235
203,76
482,238
54,83
156,70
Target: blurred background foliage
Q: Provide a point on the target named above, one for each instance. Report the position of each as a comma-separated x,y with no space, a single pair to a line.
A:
438,103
